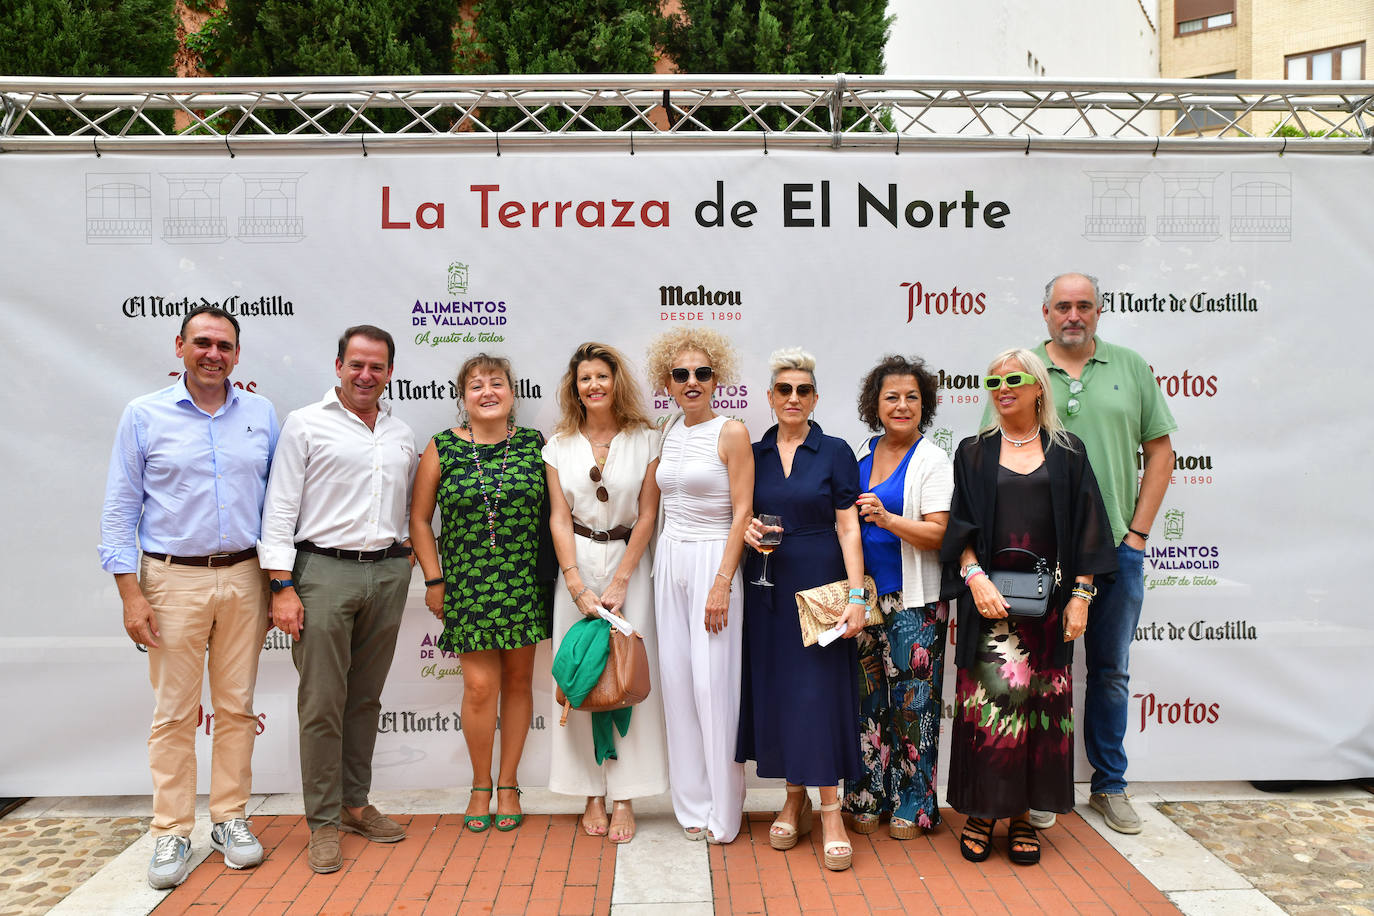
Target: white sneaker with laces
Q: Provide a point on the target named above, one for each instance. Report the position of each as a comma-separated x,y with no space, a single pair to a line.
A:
233,838
171,862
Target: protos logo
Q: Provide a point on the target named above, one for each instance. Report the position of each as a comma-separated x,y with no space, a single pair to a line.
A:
206,720
921,301
1189,712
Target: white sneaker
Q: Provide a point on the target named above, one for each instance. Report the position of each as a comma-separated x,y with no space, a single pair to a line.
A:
233,838
171,862
1042,820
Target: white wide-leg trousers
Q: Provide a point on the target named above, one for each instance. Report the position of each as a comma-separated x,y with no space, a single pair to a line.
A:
700,676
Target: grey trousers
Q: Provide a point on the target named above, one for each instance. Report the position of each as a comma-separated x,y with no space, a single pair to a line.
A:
352,616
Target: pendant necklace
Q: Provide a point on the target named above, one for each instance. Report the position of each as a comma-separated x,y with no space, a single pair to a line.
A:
1017,443
490,501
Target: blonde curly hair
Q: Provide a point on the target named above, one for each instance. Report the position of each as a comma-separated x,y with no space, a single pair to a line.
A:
668,346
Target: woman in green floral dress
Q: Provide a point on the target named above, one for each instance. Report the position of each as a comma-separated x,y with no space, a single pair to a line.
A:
487,478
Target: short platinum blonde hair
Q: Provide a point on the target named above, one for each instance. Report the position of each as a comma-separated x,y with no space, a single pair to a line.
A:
668,346
791,359
1044,407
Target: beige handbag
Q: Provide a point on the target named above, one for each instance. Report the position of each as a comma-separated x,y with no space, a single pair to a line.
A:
820,608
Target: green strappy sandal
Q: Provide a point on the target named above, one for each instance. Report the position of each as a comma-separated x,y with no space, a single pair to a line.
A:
514,819
477,822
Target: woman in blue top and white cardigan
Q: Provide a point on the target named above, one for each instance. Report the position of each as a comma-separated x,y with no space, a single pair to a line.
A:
907,482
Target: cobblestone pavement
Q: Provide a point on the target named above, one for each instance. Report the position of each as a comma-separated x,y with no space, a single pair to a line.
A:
1312,857
43,859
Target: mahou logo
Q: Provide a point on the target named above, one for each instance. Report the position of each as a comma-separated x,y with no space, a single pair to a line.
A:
1157,711
921,300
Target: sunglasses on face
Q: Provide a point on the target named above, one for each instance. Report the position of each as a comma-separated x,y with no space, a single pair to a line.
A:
1011,380
703,374
804,390
595,475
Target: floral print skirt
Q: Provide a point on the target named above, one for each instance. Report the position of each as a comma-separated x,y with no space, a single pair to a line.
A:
1012,743
901,668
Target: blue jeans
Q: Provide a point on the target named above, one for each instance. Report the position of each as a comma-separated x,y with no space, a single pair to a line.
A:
1112,624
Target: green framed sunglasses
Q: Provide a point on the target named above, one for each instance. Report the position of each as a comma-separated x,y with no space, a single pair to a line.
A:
1011,380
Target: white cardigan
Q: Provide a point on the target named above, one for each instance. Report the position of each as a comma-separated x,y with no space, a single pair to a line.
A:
929,487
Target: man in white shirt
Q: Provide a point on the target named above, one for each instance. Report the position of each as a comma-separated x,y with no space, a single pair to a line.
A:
335,539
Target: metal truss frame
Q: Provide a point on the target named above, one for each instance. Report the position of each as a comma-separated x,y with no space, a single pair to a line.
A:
676,112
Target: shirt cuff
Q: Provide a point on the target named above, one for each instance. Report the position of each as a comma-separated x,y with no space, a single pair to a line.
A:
119,560
275,556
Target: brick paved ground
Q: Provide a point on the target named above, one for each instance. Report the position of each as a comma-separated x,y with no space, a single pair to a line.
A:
1311,857
42,859
546,866
1078,873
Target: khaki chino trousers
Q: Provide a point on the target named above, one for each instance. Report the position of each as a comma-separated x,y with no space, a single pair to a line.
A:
219,615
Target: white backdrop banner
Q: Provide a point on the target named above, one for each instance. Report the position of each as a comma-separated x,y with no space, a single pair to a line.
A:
1232,275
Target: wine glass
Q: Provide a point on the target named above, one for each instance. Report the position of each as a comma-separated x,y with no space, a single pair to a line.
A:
768,542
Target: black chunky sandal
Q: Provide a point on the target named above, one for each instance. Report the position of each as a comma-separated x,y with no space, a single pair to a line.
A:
977,832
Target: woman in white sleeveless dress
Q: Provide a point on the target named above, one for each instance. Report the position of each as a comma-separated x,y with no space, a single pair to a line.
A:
603,502
706,475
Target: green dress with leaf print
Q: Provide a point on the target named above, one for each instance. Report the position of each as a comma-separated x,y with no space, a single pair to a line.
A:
492,599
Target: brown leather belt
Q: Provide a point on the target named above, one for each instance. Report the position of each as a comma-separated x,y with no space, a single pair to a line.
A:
360,556
601,537
214,561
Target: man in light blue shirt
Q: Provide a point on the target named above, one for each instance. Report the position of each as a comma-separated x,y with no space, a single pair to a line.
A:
187,478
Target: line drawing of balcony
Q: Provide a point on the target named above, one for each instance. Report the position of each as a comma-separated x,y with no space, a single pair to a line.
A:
193,205
269,208
1116,215
119,208
1189,208
1261,206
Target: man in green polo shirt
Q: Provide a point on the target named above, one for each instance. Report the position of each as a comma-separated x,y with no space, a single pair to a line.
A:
1107,396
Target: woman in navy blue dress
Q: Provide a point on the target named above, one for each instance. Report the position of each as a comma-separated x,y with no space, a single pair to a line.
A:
799,703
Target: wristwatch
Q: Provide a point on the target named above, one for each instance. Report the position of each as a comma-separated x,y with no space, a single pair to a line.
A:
278,585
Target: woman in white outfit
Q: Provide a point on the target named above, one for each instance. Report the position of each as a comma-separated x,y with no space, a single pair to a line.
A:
706,475
603,499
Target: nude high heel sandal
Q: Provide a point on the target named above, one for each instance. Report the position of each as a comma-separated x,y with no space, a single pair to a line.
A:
837,861
783,835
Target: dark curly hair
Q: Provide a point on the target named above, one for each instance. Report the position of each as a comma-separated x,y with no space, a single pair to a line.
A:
872,386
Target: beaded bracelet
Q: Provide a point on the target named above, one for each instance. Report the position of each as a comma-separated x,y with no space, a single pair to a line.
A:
585,589
972,573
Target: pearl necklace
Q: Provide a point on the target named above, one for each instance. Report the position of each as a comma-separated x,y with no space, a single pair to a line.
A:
1017,443
489,501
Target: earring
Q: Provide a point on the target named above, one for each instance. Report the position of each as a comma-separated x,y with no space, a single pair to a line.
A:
463,416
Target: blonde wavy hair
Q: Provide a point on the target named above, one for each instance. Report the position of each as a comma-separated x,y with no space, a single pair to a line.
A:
666,348
627,401
1046,415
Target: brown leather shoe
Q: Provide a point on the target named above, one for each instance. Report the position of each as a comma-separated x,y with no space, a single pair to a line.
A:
372,824
325,855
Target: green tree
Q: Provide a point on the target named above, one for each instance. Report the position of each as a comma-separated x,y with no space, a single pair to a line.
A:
776,36
98,38
333,38
592,36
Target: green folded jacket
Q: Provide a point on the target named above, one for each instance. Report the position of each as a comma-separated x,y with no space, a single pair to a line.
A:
577,667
